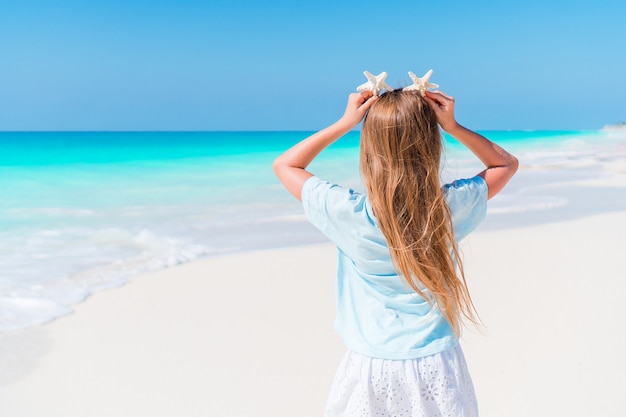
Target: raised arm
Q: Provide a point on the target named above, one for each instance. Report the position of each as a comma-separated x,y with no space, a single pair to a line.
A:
290,167
501,165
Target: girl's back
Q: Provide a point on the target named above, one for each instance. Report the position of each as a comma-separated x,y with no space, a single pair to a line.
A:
378,313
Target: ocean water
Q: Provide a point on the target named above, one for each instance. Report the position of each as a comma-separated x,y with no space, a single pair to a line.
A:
84,211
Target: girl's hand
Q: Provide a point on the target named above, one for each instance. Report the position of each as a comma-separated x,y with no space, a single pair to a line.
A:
443,105
358,105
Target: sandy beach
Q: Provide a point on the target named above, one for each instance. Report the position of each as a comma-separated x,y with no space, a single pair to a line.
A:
251,334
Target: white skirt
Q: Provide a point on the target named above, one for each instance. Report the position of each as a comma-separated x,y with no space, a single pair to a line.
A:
433,386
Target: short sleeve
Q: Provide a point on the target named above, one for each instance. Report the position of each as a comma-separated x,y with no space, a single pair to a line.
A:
331,208
467,201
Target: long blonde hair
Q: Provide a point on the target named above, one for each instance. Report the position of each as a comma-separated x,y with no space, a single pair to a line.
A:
401,149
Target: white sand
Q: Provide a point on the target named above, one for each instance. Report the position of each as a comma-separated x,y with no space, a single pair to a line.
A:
551,298
251,334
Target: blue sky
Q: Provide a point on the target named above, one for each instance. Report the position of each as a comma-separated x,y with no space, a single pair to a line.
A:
289,65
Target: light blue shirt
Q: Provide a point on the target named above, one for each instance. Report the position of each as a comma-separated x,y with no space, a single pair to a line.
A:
378,315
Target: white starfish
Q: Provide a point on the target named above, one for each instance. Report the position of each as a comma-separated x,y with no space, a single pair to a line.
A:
375,83
420,84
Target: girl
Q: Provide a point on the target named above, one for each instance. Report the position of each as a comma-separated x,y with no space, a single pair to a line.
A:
401,292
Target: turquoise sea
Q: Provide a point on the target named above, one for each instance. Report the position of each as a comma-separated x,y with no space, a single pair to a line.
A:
83,211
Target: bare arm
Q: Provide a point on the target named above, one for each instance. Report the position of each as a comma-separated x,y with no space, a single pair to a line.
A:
501,165
290,167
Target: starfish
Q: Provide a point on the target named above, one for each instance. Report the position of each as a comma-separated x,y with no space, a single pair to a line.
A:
420,84
375,83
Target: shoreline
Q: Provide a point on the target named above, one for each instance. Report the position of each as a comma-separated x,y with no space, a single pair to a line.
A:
65,243
559,199
601,196
198,338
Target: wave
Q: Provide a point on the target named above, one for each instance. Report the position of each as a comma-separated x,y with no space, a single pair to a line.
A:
29,299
